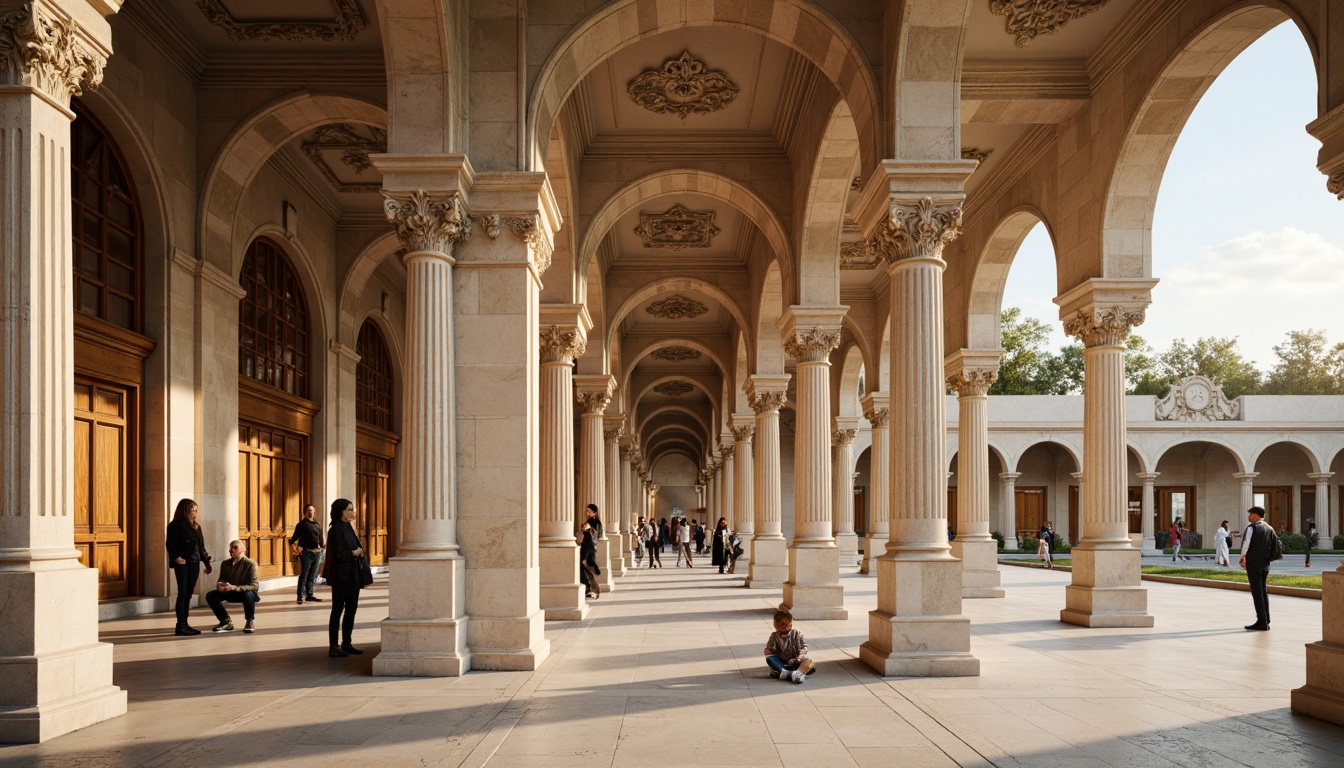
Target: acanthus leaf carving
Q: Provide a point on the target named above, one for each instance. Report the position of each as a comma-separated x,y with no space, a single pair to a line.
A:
527,229
921,230
562,346
972,381
354,148
1335,183
44,51
857,255
427,223
745,433
1104,326
1027,19
347,21
682,86
878,417
844,436
612,434
768,402
593,401
676,308
490,224
677,228
813,346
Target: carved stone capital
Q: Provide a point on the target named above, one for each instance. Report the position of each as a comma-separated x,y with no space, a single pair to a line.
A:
844,436
44,51
727,452
612,434
561,346
426,222
768,402
490,223
1028,18
878,417
626,452
972,381
527,229
814,346
925,227
591,402
744,434
1104,326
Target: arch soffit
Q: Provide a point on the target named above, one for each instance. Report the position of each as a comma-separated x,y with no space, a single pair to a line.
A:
668,408
673,285
769,343
797,24
995,450
846,398
248,148
714,397
660,444
356,280
640,354
669,452
562,288
1072,451
995,261
1161,452
1312,458
678,428
431,120
824,210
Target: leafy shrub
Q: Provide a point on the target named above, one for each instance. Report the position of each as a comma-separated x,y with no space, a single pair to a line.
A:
999,538
1030,543
1062,546
1293,543
1339,542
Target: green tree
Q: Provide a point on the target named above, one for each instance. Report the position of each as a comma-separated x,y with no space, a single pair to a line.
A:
1215,357
1027,367
1307,365
1143,368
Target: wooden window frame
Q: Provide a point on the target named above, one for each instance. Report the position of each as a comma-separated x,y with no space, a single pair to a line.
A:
373,378
274,325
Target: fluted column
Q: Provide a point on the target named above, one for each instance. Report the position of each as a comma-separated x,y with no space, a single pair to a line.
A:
1247,487
1008,496
918,628
728,483
561,592
1106,590
1148,510
879,471
846,541
55,676
970,374
615,516
628,500
743,523
813,589
769,554
593,395
1322,511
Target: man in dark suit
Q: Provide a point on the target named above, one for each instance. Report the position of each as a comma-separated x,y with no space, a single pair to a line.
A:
237,584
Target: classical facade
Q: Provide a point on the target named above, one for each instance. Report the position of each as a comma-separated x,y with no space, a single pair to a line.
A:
475,265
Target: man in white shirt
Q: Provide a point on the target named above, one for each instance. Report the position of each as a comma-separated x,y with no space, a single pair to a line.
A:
1255,558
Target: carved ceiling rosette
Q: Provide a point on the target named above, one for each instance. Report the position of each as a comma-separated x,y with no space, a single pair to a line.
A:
426,222
346,22
1104,326
354,153
527,229
878,417
675,354
677,228
677,308
44,51
591,402
1026,19
674,388
768,402
682,86
972,381
844,436
744,434
814,346
561,346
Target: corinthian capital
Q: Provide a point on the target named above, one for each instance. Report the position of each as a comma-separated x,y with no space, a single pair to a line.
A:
744,434
814,346
918,230
561,346
1103,326
878,417
593,402
539,248
427,223
768,402
972,381
44,51
844,436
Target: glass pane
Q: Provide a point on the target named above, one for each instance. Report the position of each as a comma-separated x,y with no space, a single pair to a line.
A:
92,194
90,263
1178,505
1259,500
120,278
92,230
120,311
90,298
119,210
115,178
88,140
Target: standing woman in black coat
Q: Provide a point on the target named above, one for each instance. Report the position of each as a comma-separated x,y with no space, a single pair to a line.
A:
342,574
722,552
186,553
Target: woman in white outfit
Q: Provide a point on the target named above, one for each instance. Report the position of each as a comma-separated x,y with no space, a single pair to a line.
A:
1222,542
684,541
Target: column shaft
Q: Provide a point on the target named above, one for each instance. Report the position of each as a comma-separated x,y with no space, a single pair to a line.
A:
1009,511
769,556
846,542
1148,511
977,550
744,523
613,510
561,592
879,487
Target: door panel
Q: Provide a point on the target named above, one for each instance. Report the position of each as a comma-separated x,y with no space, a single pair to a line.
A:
373,504
104,482
1030,505
273,482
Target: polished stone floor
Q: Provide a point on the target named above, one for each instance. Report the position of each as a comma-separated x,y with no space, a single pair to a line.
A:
667,671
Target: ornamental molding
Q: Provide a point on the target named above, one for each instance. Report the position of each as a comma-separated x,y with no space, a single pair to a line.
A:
347,21
46,52
1197,398
1026,19
857,255
1335,183
744,434
593,402
559,346
814,346
675,354
970,382
677,228
925,227
674,388
1103,326
768,402
355,150
676,308
490,224
527,229
844,436
878,417
426,222
682,86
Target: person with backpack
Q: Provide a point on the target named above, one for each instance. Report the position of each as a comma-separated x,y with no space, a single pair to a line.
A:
1259,547
1313,540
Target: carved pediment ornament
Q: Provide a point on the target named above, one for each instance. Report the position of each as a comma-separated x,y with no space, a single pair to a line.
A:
427,223
1197,398
674,388
972,381
813,346
878,417
355,151
559,346
593,402
1028,18
677,308
844,436
1104,326
527,229
677,228
768,402
744,434
43,51
347,21
681,87
675,354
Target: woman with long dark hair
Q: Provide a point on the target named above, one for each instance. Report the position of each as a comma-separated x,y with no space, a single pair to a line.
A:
722,550
342,572
186,554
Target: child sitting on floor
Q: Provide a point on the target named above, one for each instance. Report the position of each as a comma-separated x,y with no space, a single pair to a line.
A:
786,650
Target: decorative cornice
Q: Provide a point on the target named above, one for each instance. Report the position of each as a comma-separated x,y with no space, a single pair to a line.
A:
844,436
1028,18
591,402
674,388
744,434
559,346
768,402
972,381
878,417
814,346
527,229
427,223
347,22
677,228
676,308
46,52
355,151
675,354
682,86
1103,326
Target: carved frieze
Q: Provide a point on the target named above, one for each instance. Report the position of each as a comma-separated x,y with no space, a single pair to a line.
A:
1104,326
353,150
561,346
813,346
593,401
878,417
1197,398
528,230
674,388
972,381
44,51
682,86
744,434
675,354
844,436
677,228
857,255
426,222
346,22
677,308
1026,19
768,402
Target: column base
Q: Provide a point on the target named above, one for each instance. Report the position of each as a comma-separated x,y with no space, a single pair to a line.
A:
873,547
511,644
813,591
917,629
769,563
1150,547
979,567
1323,695
848,545
1105,591
68,684
425,632
561,593
605,550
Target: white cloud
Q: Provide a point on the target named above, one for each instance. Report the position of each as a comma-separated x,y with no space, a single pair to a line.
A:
1277,266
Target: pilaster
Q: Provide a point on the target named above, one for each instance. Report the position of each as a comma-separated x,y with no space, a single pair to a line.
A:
876,410
769,553
970,373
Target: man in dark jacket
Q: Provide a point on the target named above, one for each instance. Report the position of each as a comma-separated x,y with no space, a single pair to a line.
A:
237,584
307,545
1256,551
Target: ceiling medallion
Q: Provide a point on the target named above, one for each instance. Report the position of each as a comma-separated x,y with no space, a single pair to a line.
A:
343,142
677,228
347,21
675,354
683,86
1029,18
673,388
677,308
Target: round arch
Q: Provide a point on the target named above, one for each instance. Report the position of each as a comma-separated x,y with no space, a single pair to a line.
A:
668,408
1072,452
673,285
422,78
694,382
356,279
991,275
670,342
769,356
824,211
1312,458
845,400
1160,453
320,313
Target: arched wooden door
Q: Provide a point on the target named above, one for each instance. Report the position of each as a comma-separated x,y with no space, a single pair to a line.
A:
375,446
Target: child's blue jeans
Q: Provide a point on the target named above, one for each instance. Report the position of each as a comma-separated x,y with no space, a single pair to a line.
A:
779,665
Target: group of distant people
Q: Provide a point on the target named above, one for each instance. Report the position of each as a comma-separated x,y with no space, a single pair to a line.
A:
652,537
345,571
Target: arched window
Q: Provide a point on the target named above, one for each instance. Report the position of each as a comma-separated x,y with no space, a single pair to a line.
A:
272,321
373,379
107,233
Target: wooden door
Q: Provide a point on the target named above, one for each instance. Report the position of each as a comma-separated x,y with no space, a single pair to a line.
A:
272,489
1277,503
1075,533
860,510
373,505
1176,502
952,509
105,475
1030,505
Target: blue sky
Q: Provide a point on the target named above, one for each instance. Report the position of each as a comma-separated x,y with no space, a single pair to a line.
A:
1247,242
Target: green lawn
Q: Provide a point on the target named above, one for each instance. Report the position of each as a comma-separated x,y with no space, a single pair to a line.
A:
1220,574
